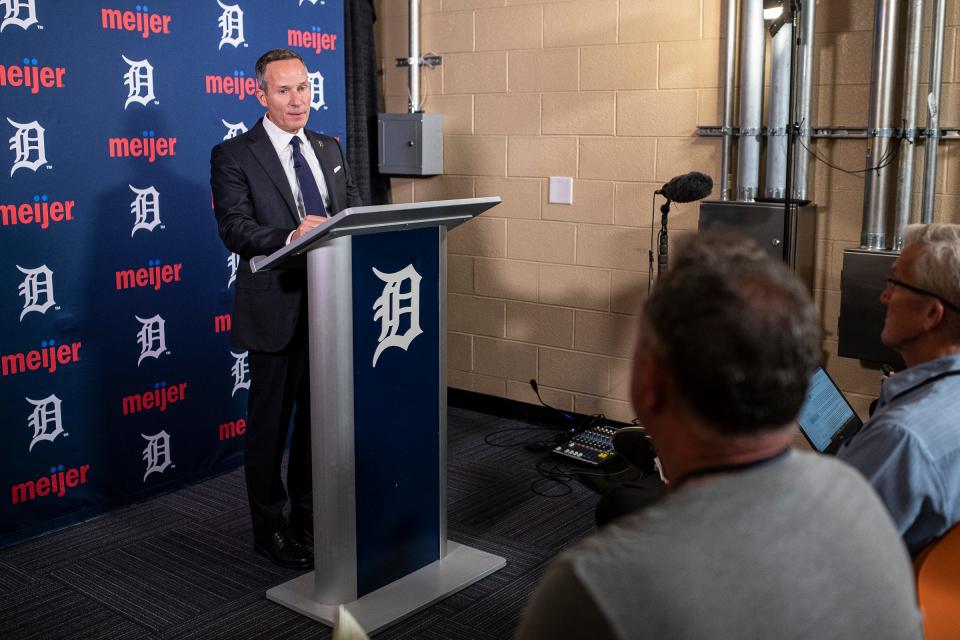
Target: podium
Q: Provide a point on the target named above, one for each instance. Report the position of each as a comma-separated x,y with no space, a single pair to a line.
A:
376,306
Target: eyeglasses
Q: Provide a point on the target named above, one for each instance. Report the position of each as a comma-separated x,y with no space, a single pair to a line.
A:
909,287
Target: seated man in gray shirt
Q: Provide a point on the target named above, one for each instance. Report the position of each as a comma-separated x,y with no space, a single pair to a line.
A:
752,539
909,450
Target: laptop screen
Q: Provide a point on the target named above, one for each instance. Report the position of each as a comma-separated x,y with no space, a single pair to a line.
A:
825,412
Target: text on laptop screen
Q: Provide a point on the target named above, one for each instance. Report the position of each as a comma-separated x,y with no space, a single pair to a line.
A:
824,412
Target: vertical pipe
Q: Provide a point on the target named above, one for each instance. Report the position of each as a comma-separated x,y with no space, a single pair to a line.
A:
752,45
802,100
911,86
933,114
728,82
780,52
413,61
879,127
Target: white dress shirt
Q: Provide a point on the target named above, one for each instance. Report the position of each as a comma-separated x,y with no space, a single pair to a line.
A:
281,142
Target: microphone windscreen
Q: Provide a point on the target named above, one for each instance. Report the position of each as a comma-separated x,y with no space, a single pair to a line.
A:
688,187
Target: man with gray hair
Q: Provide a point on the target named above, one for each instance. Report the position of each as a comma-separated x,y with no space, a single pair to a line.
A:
753,539
909,450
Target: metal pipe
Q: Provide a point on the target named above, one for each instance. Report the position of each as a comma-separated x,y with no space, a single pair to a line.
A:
752,45
880,127
413,61
933,114
729,71
911,86
802,100
781,46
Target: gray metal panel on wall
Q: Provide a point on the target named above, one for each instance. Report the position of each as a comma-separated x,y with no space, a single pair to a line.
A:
331,403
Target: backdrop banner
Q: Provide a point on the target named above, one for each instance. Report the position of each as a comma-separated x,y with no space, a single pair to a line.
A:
117,381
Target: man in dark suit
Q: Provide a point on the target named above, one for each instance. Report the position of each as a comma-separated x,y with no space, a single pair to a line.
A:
272,185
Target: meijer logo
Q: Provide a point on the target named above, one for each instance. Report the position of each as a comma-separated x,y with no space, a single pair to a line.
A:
49,356
31,76
154,275
221,323
315,40
41,211
232,429
238,84
141,21
55,484
157,398
150,146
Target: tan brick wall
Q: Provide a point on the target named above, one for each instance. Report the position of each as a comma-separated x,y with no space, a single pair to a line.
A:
609,93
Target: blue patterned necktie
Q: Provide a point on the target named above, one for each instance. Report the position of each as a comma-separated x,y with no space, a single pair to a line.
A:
309,191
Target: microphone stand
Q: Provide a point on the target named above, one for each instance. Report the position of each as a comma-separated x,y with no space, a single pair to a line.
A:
662,248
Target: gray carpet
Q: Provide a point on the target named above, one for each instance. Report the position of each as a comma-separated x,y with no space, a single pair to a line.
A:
182,566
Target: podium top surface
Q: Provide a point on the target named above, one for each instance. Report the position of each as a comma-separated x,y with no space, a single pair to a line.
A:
377,219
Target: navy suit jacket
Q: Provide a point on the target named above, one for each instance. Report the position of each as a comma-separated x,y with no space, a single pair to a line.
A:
255,212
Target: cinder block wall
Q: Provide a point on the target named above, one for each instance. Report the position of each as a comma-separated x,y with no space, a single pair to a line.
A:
608,92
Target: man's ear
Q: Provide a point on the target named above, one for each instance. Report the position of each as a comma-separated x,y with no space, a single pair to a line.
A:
933,317
261,97
650,384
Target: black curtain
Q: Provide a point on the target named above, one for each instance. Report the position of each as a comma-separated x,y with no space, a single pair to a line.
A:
363,100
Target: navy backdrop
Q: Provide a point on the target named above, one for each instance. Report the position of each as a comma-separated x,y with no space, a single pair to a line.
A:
118,381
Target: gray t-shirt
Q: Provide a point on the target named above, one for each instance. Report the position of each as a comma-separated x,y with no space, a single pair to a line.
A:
799,547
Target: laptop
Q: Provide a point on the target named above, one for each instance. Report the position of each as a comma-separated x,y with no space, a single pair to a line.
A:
826,419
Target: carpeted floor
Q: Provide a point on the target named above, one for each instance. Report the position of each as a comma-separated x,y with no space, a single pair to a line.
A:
182,565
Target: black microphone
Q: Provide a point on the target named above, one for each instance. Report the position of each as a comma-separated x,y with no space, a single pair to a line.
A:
687,188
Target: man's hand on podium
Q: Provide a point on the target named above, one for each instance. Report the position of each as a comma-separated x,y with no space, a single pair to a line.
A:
306,225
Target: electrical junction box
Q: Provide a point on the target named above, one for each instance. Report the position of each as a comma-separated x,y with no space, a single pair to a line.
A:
410,144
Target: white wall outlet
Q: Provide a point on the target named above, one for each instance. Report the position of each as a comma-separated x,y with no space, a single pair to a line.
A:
561,190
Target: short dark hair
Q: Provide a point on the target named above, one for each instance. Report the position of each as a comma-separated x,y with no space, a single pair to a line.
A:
272,56
737,331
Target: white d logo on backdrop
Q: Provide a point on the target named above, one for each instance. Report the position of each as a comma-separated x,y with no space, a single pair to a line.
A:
233,129
29,145
22,13
45,420
240,372
145,209
36,289
233,262
157,453
316,90
231,25
139,81
151,337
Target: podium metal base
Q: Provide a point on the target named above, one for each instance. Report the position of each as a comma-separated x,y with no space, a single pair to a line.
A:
461,567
